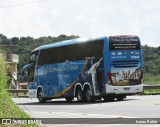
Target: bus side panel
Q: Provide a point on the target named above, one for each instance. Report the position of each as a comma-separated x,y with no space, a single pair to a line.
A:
61,78
92,74
64,79
75,70
51,84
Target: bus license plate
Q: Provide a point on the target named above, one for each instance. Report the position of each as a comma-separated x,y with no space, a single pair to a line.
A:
126,88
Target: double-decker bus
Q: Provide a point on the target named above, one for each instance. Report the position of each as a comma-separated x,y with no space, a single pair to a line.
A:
106,67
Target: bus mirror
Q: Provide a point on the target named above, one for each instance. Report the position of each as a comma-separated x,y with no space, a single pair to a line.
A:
38,66
22,72
67,61
27,67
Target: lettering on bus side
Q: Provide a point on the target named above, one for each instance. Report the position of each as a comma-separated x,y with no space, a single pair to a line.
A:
61,68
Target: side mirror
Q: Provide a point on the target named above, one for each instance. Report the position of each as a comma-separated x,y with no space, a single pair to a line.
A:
26,67
67,61
38,66
22,72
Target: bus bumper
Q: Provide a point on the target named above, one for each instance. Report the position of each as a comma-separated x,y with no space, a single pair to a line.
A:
124,89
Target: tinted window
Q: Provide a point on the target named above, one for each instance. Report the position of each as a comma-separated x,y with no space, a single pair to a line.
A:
84,50
52,55
118,43
71,52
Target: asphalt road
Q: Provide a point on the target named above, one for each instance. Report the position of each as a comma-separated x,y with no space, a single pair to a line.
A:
131,107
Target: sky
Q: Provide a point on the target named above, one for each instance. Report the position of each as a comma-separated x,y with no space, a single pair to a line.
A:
84,18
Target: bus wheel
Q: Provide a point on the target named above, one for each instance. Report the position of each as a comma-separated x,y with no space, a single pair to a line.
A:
88,95
40,96
109,98
69,99
98,98
120,97
79,94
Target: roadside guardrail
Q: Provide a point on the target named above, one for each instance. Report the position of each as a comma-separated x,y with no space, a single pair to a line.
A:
151,87
18,91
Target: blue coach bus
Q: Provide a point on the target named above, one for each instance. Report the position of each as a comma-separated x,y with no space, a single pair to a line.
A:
106,67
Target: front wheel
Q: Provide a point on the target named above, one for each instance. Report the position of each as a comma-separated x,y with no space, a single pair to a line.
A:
40,96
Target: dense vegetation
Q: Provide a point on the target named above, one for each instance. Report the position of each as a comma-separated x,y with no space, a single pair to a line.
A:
8,109
151,65
24,45
151,60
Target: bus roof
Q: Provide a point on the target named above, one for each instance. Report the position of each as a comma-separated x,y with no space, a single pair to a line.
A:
68,42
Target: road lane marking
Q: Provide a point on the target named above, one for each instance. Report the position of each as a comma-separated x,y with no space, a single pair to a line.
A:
73,115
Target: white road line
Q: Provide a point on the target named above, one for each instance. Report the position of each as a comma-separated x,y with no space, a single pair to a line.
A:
74,115
100,125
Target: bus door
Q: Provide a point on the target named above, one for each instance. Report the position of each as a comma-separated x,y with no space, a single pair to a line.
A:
97,72
100,79
100,76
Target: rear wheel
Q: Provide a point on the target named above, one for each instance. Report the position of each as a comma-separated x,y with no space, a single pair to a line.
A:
40,96
79,94
69,99
120,97
98,98
88,95
109,98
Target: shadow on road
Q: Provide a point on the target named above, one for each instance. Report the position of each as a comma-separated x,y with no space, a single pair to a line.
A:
54,102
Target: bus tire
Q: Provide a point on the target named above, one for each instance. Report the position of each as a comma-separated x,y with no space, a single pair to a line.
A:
79,94
98,98
109,98
120,97
88,94
69,99
40,96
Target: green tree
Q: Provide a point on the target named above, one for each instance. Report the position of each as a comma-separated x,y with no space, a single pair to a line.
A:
151,60
15,41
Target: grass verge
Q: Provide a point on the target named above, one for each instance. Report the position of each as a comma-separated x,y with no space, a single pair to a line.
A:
8,109
152,92
151,79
